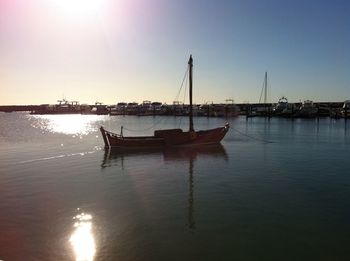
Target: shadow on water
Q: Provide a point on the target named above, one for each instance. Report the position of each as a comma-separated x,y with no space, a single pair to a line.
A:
184,154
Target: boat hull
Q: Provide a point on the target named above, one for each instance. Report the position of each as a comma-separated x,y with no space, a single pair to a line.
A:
165,138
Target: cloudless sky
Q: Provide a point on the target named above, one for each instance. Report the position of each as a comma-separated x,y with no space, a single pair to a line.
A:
135,50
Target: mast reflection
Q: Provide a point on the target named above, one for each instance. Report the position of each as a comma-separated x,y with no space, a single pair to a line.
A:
185,154
190,155
191,222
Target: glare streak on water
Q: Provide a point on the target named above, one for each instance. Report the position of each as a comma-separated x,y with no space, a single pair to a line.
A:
59,156
275,189
82,238
66,124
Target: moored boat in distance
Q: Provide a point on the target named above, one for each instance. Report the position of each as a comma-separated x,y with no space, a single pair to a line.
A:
132,108
169,137
346,109
280,106
283,108
157,108
119,109
63,107
307,110
323,110
145,108
99,109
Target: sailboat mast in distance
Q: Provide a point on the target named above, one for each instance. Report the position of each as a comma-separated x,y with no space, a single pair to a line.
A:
264,91
265,86
190,64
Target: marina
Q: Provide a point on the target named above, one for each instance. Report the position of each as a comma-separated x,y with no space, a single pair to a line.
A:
174,130
272,187
320,109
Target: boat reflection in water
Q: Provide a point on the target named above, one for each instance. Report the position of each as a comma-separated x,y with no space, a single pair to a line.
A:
185,154
181,153
82,239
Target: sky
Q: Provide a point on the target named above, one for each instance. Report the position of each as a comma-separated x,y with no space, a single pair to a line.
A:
134,50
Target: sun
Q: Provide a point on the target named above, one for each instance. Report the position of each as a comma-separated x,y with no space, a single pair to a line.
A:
79,6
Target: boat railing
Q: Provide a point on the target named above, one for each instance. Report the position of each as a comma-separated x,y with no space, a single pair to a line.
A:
114,134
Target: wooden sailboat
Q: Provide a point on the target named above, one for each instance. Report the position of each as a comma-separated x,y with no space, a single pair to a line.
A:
169,137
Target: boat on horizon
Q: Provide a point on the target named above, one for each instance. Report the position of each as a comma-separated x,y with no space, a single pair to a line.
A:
168,137
62,107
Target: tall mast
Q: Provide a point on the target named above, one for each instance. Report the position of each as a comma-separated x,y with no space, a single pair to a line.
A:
265,86
190,64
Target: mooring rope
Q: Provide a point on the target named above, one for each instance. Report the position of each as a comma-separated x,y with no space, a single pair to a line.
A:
252,137
151,127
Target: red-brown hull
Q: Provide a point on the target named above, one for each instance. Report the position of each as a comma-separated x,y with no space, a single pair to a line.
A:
165,138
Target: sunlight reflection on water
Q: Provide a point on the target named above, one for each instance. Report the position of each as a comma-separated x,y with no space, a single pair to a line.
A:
82,239
66,124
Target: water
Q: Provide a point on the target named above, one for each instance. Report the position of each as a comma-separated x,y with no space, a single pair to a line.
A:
274,190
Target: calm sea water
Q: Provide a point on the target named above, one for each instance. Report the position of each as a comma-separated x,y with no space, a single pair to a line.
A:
275,189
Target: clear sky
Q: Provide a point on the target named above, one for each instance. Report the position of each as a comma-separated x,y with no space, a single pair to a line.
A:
135,50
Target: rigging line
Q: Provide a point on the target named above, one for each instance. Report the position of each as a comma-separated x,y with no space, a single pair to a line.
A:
161,119
262,90
184,78
251,137
151,127
184,99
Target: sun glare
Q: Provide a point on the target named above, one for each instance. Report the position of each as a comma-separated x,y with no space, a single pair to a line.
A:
66,124
82,239
79,6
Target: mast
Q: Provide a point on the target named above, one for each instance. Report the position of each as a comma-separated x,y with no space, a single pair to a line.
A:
264,91
265,88
190,64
